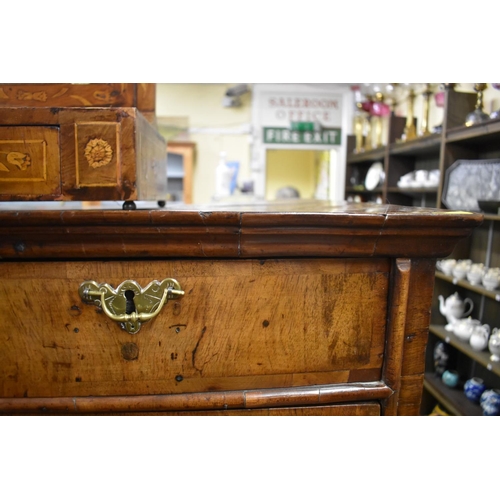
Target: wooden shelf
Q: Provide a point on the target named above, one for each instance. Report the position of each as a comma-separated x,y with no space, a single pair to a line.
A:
452,399
482,357
363,191
372,155
415,192
492,217
421,146
476,134
495,294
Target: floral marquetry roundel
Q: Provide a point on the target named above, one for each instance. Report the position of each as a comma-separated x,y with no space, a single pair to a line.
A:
98,153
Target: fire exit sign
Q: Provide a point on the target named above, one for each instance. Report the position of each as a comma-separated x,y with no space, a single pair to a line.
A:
278,135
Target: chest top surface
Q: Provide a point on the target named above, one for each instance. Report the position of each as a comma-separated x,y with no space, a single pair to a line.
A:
306,228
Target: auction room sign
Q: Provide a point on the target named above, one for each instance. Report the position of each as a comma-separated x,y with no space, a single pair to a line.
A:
280,111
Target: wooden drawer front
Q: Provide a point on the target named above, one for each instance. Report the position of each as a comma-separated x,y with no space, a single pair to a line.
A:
29,161
241,325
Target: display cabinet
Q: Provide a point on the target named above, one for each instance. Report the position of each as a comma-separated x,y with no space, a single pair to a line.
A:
434,152
439,151
482,247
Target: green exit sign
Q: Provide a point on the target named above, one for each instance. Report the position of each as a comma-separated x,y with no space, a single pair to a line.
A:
326,137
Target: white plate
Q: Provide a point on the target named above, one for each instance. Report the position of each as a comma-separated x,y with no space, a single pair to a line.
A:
375,176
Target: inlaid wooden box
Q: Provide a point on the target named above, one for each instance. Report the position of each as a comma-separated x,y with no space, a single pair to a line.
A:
83,154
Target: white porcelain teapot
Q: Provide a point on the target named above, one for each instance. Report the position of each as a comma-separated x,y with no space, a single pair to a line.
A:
453,308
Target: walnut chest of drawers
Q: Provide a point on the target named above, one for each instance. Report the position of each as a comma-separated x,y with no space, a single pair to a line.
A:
310,309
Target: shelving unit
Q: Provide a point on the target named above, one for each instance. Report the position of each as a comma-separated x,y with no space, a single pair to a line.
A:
440,151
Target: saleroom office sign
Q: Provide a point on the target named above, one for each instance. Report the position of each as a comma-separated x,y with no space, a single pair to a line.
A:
301,118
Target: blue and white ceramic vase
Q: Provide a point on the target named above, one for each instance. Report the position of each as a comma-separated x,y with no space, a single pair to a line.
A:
450,378
490,402
473,389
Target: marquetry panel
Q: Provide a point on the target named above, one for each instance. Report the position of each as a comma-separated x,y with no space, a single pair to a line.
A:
97,146
67,94
29,162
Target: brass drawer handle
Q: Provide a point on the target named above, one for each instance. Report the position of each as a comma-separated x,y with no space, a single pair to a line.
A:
130,305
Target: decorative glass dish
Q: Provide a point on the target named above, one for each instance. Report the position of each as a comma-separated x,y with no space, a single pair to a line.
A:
468,181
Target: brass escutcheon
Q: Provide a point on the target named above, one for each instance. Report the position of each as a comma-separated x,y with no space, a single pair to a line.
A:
130,305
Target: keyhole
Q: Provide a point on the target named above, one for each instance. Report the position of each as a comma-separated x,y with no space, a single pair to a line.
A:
130,306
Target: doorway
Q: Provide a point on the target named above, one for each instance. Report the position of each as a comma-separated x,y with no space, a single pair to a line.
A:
307,171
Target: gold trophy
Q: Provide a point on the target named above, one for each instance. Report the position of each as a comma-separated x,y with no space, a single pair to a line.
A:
478,115
410,131
424,125
358,129
361,121
367,123
379,111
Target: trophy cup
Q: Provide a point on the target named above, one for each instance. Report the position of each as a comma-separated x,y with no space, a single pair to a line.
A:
478,115
439,98
358,121
379,110
424,125
410,131
393,95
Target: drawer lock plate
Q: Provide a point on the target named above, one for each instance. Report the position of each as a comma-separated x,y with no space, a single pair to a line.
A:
130,305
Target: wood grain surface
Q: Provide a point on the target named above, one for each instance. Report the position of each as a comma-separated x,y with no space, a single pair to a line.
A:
318,229
240,325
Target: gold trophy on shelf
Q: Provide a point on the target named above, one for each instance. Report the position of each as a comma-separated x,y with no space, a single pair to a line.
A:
379,111
367,122
410,131
424,125
359,120
478,115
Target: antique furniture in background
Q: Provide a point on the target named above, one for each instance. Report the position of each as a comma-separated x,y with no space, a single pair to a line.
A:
305,308
85,142
180,178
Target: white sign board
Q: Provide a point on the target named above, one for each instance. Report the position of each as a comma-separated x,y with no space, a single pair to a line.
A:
280,109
